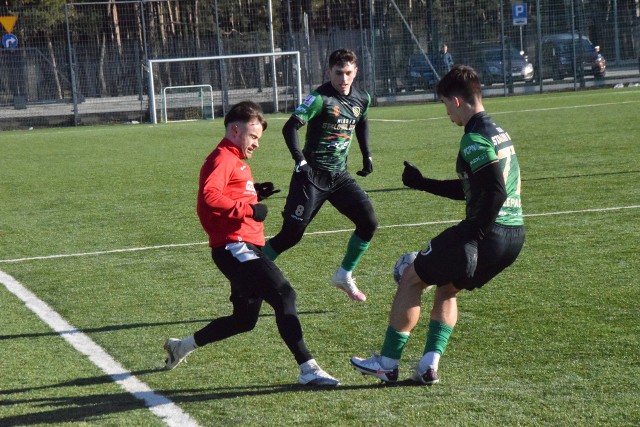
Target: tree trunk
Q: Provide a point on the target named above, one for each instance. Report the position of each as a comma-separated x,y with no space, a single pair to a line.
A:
116,36
103,48
54,63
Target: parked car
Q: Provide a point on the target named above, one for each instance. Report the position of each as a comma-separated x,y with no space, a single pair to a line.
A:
558,52
490,65
420,74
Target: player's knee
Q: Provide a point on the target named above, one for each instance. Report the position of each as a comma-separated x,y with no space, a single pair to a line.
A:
289,297
446,292
367,225
245,323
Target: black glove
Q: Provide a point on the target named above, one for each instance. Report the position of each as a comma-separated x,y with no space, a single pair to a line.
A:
260,211
303,167
411,176
264,190
471,257
367,167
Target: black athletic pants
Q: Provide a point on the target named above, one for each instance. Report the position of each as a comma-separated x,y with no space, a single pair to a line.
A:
255,278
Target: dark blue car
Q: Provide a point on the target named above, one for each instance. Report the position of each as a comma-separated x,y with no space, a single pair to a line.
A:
420,73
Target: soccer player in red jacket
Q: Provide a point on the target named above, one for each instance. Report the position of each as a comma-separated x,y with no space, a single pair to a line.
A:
230,212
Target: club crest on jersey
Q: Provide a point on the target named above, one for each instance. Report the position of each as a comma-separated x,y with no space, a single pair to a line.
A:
336,110
356,111
249,186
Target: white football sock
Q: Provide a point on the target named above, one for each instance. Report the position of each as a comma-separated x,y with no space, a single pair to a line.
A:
388,363
188,344
343,273
309,365
429,360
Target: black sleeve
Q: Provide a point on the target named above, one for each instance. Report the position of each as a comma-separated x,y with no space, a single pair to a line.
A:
450,188
290,133
492,192
362,133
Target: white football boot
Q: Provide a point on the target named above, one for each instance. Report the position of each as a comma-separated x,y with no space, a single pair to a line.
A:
343,280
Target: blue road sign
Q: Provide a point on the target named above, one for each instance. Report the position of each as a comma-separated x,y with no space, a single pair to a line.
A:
9,41
519,12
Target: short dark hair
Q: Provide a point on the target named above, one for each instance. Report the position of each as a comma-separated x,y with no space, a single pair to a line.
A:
462,81
342,56
245,111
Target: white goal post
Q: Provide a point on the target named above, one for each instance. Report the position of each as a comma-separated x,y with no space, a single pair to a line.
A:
240,77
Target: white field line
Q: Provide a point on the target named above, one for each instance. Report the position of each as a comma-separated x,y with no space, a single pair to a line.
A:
416,224
162,407
88,129
497,113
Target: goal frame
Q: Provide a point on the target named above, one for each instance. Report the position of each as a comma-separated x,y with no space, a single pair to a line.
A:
273,55
164,99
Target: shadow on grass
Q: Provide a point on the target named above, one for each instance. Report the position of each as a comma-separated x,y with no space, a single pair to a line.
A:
584,175
542,178
135,326
235,392
87,408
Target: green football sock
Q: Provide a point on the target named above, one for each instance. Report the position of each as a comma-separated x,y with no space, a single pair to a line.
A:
355,249
394,342
437,337
269,252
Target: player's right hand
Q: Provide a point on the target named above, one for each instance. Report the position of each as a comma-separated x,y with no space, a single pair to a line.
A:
411,176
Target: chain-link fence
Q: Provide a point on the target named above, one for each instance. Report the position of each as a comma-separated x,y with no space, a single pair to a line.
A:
83,63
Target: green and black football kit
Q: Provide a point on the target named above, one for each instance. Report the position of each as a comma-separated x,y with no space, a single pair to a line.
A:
321,173
489,181
331,120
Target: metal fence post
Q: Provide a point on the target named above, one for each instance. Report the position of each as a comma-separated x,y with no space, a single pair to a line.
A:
74,89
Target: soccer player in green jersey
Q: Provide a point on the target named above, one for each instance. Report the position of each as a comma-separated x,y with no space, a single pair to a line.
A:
333,112
469,254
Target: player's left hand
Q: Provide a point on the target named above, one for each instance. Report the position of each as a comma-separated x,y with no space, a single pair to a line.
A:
265,189
367,167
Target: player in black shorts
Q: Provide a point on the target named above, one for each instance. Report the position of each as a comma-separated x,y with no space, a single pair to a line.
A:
333,112
469,254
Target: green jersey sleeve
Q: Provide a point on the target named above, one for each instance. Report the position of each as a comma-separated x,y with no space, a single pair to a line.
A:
311,106
477,151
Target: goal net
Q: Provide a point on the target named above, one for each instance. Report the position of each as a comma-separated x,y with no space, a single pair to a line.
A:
191,102
179,87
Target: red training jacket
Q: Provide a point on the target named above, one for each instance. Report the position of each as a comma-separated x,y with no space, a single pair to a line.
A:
225,194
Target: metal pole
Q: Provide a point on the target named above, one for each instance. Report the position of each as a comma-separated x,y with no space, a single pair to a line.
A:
521,49
373,91
273,61
502,37
573,45
223,70
363,45
144,42
539,56
305,21
616,31
74,94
